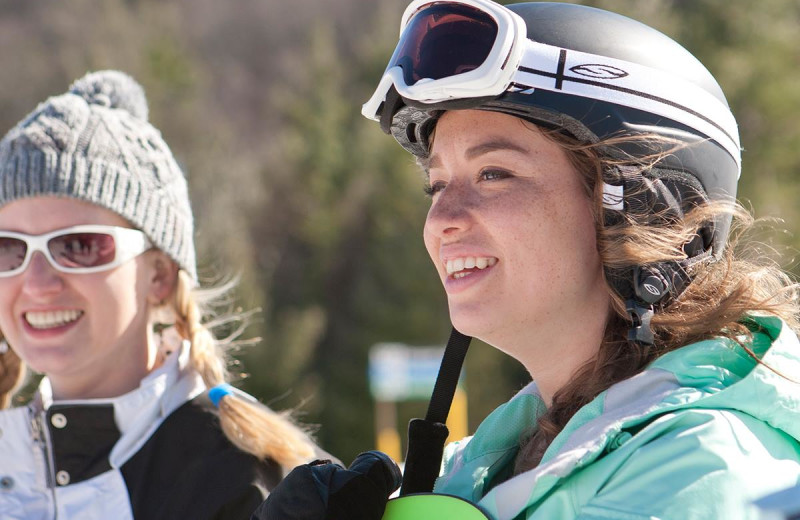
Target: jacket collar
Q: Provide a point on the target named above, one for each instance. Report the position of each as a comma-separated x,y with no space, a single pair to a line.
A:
139,412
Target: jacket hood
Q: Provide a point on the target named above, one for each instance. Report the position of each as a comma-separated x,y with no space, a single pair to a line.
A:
721,375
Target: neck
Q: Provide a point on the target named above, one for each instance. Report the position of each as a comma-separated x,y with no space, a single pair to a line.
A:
131,370
553,351
73,390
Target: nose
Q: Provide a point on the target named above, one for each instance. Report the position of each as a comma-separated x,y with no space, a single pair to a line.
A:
451,211
40,278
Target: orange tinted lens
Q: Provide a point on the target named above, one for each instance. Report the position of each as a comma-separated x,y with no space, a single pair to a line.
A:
82,249
12,253
444,40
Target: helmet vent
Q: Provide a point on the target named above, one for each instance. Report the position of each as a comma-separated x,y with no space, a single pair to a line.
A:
411,133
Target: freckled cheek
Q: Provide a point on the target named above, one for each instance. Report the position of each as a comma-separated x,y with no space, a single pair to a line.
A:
584,233
432,246
548,242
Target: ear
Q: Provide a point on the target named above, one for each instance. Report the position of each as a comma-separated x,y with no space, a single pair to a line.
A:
163,277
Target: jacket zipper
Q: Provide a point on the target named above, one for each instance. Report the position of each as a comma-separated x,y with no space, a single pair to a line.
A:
41,436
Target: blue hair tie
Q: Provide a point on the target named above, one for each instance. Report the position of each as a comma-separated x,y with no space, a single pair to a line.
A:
218,392
221,390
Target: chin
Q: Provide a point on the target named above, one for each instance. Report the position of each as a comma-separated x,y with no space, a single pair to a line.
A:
470,324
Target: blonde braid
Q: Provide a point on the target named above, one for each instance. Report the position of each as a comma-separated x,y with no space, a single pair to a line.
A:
12,374
249,425
203,354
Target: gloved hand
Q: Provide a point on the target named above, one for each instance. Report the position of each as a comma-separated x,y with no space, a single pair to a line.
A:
322,490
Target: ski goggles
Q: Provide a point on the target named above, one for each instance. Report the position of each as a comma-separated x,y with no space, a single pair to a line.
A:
77,249
460,53
452,50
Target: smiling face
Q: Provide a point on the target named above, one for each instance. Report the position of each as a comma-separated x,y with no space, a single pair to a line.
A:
87,332
512,235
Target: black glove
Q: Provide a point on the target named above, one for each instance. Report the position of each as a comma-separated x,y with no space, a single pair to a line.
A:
322,490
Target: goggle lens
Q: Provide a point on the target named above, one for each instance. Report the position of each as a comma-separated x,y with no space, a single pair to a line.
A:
77,250
443,40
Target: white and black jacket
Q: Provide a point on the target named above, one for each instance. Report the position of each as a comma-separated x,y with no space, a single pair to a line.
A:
155,453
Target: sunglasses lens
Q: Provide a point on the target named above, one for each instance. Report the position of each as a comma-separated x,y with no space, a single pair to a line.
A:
443,40
12,253
82,249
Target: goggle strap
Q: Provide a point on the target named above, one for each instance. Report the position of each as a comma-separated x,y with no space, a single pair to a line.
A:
389,108
613,197
628,84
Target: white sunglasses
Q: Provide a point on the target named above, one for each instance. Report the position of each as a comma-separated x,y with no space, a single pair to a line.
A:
76,249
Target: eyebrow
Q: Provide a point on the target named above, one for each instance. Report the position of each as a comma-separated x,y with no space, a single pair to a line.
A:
493,145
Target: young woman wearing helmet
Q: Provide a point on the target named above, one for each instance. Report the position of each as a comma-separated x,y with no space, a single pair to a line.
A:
98,291
582,169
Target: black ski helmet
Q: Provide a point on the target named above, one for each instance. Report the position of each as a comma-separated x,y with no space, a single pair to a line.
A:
704,166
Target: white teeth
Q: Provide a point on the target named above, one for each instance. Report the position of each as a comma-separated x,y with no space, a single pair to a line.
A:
456,265
51,319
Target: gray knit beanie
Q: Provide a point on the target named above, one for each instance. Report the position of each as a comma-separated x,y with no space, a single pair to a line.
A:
94,144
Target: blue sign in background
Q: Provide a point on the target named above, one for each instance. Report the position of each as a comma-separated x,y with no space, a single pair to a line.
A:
399,372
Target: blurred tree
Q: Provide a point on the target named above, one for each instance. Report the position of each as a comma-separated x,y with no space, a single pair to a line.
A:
337,249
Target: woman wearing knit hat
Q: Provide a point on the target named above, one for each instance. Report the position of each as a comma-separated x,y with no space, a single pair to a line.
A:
132,419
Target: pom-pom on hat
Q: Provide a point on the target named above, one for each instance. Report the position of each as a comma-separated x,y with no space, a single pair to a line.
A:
94,143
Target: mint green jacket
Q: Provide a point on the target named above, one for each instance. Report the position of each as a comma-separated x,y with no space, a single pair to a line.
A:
701,433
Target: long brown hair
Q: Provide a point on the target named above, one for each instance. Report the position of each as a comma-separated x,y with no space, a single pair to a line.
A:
721,292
